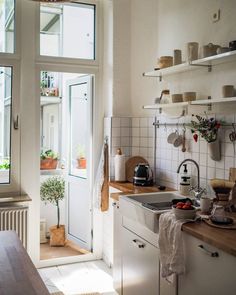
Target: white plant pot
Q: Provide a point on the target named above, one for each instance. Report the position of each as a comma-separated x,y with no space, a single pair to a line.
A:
214,150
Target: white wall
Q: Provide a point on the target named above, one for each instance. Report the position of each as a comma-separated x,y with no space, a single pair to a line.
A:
145,30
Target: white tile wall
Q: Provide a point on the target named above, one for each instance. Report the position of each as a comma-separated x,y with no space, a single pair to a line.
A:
136,137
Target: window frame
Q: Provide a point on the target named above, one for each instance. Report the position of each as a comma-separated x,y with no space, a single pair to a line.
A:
68,60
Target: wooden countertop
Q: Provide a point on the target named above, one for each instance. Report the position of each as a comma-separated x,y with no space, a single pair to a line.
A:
224,239
129,188
18,275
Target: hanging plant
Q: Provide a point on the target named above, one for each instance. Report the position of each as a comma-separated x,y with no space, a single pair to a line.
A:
207,128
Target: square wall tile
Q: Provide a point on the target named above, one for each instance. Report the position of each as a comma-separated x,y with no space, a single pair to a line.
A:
135,122
115,122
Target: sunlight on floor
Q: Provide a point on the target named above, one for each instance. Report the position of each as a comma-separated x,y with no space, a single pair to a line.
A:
79,278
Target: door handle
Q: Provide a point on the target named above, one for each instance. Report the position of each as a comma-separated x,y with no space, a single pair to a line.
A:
16,122
212,254
138,243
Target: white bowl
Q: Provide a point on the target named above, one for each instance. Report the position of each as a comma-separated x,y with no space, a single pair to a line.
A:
184,213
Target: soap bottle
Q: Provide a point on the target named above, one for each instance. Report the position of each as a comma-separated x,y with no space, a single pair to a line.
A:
185,183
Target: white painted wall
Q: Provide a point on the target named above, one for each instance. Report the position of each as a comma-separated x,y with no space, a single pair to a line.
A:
145,30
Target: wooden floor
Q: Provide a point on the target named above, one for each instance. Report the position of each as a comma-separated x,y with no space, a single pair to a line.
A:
48,252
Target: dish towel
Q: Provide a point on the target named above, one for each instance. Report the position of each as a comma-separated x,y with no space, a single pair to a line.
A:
101,187
171,246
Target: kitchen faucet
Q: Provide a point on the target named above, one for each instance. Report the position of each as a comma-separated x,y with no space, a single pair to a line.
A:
197,191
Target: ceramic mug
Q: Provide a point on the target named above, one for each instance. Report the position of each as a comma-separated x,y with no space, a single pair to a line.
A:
205,205
172,137
228,91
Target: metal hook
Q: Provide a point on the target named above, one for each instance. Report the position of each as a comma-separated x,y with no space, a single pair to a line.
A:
165,128
184,127
234,127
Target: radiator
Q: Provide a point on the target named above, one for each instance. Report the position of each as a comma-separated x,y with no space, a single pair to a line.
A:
15,218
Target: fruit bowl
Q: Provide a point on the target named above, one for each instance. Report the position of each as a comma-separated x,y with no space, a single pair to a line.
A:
184,210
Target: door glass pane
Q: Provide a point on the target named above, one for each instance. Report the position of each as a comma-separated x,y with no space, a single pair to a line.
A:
79,131
7,25
67,30
5,123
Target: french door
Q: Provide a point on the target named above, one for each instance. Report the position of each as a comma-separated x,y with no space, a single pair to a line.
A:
79,201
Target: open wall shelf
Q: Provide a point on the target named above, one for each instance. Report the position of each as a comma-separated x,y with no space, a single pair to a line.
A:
207,62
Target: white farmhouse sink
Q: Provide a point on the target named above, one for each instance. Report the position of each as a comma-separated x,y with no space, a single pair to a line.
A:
134,207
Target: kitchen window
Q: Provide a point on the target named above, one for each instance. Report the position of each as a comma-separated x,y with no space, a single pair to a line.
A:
7,26
67,30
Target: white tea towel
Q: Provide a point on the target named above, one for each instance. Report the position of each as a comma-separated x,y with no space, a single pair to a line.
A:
171,245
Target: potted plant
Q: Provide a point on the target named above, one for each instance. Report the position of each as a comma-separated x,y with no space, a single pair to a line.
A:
48,160
53,190
81,160
208,129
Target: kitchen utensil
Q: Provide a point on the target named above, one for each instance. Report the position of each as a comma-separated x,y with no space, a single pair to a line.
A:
184,141
143,175
189,96
192,51
178,141
130,164
232,136
217,219
223,226
228,90
177,57
232,45
172,137
177,97
165,62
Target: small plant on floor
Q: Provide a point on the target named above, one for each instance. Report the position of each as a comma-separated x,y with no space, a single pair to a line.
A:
52,190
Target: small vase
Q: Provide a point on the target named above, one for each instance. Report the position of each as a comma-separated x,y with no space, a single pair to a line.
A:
214,150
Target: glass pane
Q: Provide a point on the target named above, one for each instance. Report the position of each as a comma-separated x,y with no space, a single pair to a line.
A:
79,132
67,30
5,123
7,25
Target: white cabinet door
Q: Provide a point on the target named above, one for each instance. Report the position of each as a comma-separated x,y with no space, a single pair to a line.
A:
117,269
140,264
206,274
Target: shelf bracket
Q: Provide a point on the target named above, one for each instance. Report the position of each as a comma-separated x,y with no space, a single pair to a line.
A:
209,67
160,77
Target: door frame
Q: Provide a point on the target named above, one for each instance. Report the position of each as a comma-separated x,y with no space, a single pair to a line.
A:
96,215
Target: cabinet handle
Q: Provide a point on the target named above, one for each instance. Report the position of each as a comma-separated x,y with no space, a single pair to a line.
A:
212,254
115,205
138,244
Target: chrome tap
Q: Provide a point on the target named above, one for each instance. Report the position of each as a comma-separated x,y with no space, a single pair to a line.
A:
197,190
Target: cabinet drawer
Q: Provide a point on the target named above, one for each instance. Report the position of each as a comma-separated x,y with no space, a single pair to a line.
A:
140,265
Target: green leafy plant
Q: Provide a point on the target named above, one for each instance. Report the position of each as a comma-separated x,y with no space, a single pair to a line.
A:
49,154
5,165
207,128
81,151
52,190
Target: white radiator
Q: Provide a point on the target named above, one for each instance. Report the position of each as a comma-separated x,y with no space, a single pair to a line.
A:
15,218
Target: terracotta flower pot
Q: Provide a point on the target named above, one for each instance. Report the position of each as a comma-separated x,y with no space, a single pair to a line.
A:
81,163
48,164
214,150
57,236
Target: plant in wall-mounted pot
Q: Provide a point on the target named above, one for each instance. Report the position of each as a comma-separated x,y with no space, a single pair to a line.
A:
208,129
52,190
48,160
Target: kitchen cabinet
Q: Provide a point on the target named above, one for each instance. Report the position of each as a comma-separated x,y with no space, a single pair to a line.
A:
117,261
208,270
140,265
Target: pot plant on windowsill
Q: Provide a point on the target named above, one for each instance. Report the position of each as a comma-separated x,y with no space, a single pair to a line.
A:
53,190
208,129
48,160
81,160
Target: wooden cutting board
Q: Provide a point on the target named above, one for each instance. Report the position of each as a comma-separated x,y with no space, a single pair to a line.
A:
130,164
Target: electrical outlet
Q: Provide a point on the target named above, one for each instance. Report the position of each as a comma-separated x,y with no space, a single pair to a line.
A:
216,16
